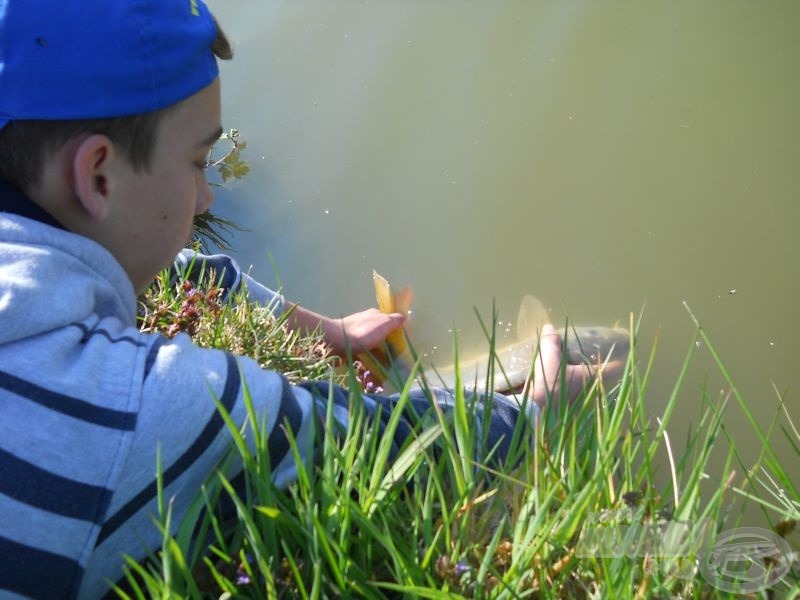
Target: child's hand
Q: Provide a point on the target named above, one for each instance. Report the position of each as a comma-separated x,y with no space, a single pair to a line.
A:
547,383
362,331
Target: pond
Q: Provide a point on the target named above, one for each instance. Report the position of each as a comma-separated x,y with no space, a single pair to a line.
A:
610,158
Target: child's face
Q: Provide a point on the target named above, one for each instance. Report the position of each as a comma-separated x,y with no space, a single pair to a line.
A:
154,210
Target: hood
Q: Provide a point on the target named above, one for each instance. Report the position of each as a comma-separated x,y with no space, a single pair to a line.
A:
51,278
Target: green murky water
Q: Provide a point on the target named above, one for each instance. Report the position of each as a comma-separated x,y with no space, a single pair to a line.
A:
607,157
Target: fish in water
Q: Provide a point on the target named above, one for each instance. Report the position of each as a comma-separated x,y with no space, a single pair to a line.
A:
513,363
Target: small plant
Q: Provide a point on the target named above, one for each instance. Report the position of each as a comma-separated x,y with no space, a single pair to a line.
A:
175,304
210,229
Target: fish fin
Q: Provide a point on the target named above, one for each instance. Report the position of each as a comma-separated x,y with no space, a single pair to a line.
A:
531,318
395,341
383,293
403,299
398,346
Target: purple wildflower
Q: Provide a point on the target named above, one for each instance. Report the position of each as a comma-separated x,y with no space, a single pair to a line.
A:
242,578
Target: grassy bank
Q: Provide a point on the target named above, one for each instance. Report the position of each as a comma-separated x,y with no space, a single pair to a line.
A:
580,514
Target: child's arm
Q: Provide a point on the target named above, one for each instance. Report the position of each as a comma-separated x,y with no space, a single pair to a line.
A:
359,332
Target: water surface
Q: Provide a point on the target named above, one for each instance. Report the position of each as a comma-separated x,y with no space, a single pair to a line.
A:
609,157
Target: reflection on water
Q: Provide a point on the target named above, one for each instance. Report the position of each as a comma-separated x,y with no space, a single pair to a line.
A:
606,157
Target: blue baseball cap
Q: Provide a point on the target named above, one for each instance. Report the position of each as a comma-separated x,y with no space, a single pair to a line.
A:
93,59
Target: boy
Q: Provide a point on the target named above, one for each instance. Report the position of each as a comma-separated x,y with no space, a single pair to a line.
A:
107,113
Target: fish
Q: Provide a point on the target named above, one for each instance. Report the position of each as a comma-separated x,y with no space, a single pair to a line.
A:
512,363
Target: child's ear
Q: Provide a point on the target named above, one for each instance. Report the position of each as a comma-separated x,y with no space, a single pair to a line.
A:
92,176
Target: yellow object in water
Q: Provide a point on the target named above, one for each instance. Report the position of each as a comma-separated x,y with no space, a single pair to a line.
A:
399,302
396,355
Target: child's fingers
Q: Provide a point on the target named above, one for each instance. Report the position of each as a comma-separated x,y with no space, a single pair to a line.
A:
546,367
547,370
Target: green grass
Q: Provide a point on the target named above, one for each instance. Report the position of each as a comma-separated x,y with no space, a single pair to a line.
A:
431,522
243,328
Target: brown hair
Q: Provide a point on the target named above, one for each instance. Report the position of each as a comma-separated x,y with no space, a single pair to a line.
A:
24,145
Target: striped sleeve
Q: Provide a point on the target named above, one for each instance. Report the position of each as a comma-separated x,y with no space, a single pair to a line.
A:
52,499
194,265
178,414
